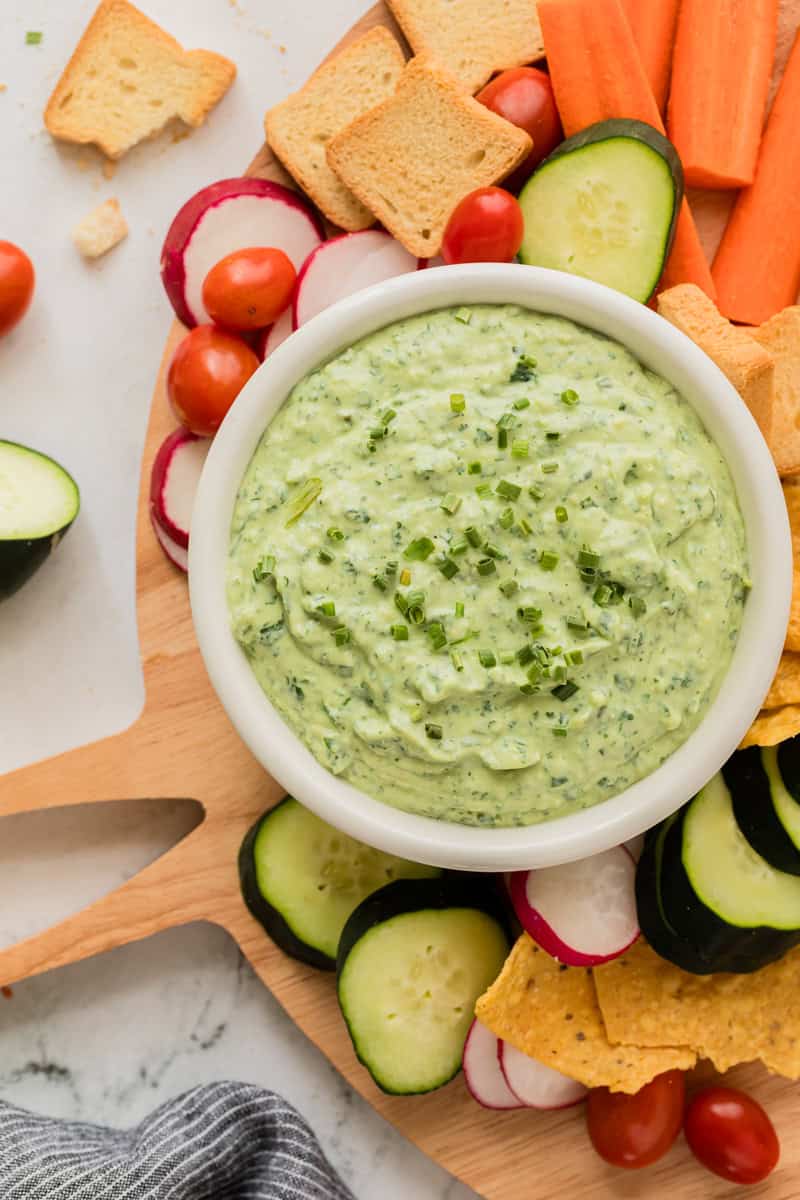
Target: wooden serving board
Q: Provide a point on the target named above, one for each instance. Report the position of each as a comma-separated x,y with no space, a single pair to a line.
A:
182,745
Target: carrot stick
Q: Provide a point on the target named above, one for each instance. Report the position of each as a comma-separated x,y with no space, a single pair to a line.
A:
720,80
597,74
757,268
653,25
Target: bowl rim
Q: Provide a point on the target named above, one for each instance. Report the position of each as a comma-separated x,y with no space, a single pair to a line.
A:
609,822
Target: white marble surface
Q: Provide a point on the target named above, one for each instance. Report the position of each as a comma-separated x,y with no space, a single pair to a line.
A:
109,1039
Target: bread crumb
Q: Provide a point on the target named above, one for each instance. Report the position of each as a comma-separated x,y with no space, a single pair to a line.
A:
3,87
101,230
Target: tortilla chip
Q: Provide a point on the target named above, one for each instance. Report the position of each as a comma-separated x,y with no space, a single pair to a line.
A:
781,336
786,684
773,726
550,1012
791,494
728,1018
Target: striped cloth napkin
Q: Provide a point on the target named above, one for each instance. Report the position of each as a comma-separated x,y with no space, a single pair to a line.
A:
226,1141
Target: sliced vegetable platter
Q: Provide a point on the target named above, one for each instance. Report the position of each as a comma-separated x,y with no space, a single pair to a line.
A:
509,1154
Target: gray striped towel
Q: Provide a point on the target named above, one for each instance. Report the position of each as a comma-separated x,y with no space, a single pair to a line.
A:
226,1141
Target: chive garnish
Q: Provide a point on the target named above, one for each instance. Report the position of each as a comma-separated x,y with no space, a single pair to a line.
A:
457,402
460,547
400,633
552,436
459,610
502,439
559,731
525,528
327,608
564,691
464,316
483,490
525,655
492,551
264,568
549,468
416,614
508,490
335,535
519,448
534,673
486,566
508,587
569,397
529,614
437,635
379,581
388,415
456,660
341,635
308,493
524,369
577,623
602,595
448,567
529,689
405,577
325,556
523,402
561,514
558,674
472,535
507,421
33,37
391,567
535,492
548,560
434,732
419,549
487,658
574,657
380,431
472,633
474,468
451,503
506,518
507,657
588,558
401,603
637,605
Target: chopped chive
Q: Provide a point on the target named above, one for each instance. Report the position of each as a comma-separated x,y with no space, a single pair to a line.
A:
577,623
564,691
416,614
456,660
437,635
400,633
637,605
548,560
502,439
561,514
417,713
552,436
549,468
525,528
588,574
602,595
434,732
528,689
588,558
419,549
405,577
33,37
525,655
371,446
457,402
380,431
508,587
303,499
264,568
459,609
451,503
460,547
554,651
474,468
519,448
558,674
379,581
574,657
341,635
507,657
325,556
529,614
534,673
388,415
559,731
472,633
506,518
535,492
472,535
487,658
486,566
391,567
464,316
335,534
524,369
417,597
492,551
327,608
483,490
523,402
400,602
508,490
507,421
569,397
448,567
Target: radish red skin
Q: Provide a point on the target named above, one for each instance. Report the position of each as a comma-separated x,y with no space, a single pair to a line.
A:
545,936
510,1101
176,554
158,482
183,227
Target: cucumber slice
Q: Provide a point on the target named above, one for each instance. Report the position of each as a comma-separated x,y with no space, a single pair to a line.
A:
413,959
301,878
766,811
604,205
39,500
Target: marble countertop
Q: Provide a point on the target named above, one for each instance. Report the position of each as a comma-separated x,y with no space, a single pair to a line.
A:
111,1038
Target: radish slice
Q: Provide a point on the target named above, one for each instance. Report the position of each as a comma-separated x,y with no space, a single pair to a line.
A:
269,339
233,214
175,553
583,913
345,265
174,480
482,1073
534,1084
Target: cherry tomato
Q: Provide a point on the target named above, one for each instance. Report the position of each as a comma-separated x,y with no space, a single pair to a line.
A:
487,226
207,372
730,1133
249,288
635,1131
16,285
524,96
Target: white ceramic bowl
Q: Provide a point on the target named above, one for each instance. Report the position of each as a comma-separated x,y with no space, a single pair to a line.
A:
659,346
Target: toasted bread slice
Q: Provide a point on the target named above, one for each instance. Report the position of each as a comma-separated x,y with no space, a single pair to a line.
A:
414,157
101,230
749,367
780,335
127,78
298,129
471,38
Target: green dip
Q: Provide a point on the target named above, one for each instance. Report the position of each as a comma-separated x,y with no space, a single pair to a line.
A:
487,566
